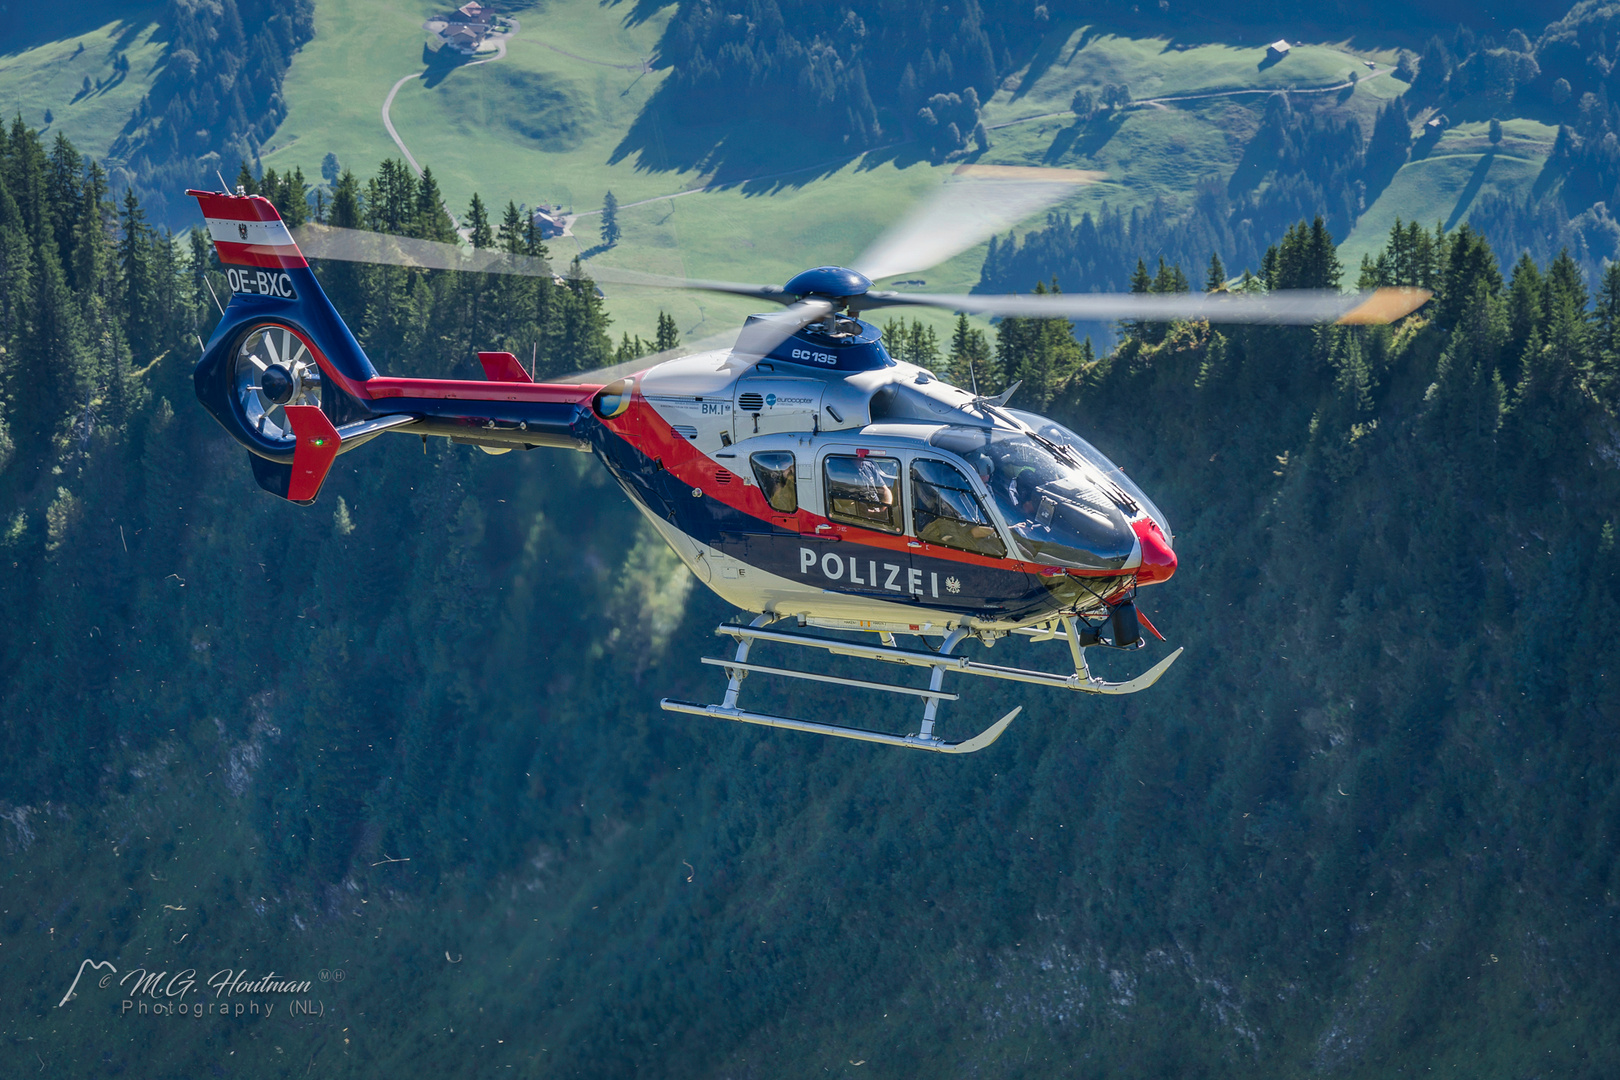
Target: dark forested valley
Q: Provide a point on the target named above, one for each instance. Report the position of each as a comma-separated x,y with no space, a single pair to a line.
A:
410,735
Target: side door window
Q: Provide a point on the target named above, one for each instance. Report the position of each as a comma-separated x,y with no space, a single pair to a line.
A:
945,511
864,491
774,471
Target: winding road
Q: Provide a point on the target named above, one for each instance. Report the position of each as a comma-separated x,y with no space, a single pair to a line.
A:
388,102
1161,102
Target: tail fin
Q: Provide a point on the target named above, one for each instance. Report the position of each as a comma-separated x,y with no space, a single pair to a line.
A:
281,346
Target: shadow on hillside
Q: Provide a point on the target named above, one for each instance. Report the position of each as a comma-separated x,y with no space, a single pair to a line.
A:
1065,139
640,10
438,64
1046,53
758,158
71,20
1476,180
1096,134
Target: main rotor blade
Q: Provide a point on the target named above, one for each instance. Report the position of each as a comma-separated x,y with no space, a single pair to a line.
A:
603,376
1289,307
383,249
766,332
975,204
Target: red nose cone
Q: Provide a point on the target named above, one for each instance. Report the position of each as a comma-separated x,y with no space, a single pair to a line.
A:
1158,561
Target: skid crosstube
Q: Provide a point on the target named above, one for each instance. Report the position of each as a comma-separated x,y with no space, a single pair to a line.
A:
940,662
1081,680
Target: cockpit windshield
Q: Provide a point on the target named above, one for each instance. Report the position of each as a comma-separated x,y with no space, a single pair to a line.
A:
1060,511
1113,473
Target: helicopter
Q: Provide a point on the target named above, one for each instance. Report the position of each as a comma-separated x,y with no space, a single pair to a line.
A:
802,473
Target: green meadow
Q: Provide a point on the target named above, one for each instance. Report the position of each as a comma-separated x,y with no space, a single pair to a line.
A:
548,124
1443,185
40,74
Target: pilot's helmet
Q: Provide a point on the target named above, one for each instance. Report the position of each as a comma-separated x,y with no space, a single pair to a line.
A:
1024,486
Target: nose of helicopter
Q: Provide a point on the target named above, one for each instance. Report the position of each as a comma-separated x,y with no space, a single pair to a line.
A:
1158,561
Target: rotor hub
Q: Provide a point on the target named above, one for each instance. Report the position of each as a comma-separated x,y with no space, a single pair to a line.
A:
278,384
833,282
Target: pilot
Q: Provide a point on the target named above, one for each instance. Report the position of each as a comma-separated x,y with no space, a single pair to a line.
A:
1017,486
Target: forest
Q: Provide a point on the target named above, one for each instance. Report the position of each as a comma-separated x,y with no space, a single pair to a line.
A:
1307,160
1367,825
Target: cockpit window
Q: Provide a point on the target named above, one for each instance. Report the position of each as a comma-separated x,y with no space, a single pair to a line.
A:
1113,473
774,471
1060,511
864,491
945,511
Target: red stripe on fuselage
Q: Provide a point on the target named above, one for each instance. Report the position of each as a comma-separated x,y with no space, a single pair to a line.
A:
466,390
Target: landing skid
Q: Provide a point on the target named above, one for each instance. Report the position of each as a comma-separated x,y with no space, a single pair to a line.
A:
738,668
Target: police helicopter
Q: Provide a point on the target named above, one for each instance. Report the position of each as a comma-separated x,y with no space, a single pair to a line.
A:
801,472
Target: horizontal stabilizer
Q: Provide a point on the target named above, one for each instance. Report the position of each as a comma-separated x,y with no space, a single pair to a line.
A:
503,367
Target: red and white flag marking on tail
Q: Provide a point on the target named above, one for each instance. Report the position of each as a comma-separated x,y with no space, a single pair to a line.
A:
247,231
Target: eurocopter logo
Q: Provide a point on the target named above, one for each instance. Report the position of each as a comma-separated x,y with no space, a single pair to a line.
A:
770,399
161,993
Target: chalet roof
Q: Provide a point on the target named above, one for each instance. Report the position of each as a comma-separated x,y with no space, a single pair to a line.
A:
1279,46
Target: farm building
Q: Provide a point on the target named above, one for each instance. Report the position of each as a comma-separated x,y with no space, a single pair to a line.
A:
1277,49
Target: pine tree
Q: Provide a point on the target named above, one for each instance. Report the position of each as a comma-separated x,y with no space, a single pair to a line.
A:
432,220
1215,279
968,363
610,220
134,261
668,336
479,233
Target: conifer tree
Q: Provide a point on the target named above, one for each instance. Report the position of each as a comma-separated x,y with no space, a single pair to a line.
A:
668,336
968,363
1215,279
610,220
479,233
134,261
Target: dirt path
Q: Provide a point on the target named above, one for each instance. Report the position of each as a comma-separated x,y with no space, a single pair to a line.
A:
1163,102
388,102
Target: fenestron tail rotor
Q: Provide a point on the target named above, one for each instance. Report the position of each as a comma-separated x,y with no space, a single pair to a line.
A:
271,370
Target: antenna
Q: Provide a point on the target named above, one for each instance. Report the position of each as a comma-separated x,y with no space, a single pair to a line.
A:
973,378
212,293
223,186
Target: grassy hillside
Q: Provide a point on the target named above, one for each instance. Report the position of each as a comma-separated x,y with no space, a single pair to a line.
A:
41,71
548,123
1447,175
